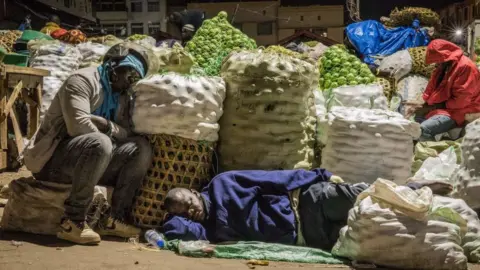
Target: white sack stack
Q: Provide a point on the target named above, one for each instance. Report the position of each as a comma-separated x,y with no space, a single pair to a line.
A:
363,145
269,113
182,105
60,59
394,226
466,179
359,96
92,53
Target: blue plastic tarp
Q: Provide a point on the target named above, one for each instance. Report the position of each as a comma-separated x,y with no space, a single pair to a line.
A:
372,38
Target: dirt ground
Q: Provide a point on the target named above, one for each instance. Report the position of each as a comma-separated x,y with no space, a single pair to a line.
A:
20,251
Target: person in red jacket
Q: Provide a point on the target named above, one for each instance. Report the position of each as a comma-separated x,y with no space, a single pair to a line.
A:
452,92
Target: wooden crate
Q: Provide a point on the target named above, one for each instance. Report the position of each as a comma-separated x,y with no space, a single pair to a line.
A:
25,83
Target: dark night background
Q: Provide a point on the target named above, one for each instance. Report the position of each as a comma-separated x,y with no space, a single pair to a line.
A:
369,9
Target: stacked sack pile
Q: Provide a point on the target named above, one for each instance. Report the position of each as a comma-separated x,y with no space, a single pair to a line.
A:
179,113
394,226
269,113
92,53
108,40
347,82
410,76
60,59
363,145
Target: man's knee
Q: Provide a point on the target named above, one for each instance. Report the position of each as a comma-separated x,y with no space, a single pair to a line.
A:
142,150
99,143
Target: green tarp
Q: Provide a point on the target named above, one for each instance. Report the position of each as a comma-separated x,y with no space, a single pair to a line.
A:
264,251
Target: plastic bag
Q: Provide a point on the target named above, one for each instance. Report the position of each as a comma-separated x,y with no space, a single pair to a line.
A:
424,150
372,38
438,168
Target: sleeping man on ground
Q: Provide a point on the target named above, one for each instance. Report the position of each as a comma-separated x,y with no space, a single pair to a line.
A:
287,207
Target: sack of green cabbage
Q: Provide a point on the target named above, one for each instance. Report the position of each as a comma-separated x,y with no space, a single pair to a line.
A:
269,112
394,226
174,59
182,105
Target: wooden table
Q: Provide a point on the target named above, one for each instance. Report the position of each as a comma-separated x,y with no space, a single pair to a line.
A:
27,84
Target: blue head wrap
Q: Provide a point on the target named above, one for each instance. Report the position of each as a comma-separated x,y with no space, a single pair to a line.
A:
108,109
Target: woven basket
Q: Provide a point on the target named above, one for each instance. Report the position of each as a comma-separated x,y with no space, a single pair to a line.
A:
177,163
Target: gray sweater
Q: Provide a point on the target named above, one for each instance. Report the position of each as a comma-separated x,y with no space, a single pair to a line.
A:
69,116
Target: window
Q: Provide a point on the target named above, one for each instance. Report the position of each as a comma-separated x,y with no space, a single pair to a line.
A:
118,29
137,28
66,3
153,6
465,14
265,29
301,18
153,27
239,26
136,7
319,18
120,5
111,5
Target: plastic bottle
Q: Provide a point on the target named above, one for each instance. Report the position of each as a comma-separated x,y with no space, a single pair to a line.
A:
155,238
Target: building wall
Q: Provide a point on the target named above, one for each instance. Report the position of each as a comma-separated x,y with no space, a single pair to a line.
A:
323,20
135,16
460,14
79,8
256,19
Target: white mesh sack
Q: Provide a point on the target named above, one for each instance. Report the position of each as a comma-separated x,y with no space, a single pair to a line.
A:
410,89
363,145
393,226
185,106
269,112
466,179
471,241
60,59
359,96
398,64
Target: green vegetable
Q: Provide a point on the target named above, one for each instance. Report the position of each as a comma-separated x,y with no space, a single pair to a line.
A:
338,67
214,40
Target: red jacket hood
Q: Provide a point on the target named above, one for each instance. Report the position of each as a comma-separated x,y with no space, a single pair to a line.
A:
441,51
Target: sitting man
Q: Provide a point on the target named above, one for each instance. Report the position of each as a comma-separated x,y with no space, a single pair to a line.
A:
452,94
85,140
288,207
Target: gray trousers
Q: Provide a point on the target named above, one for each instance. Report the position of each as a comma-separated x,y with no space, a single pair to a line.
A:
92,159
